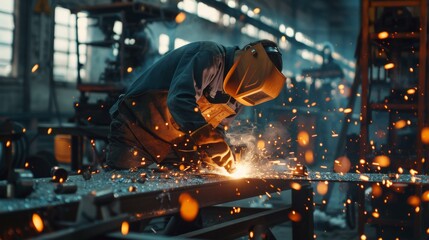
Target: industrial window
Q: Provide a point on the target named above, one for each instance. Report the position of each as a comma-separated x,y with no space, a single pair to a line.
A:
7,28
65,56
164,42
178,42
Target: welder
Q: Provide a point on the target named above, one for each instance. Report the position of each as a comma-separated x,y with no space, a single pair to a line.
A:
177,110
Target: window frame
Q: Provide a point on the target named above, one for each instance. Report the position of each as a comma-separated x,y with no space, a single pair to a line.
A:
12,75
68,50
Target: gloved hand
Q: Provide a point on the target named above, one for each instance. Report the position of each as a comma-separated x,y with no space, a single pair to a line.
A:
212,146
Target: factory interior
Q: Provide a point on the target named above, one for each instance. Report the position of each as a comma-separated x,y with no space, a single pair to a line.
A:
340,151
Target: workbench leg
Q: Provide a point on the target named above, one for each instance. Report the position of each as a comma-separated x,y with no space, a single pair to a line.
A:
7,151
361,211
76,153
418,221
302,203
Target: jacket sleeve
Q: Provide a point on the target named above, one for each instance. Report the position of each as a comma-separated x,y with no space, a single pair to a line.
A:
191,76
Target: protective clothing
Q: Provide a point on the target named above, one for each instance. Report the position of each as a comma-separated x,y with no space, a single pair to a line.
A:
178,107
173,98
214,149
214,113
142,131
254,79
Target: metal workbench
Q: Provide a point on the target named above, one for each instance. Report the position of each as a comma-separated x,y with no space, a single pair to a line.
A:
158,196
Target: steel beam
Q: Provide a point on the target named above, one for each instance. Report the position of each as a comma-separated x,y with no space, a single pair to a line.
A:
240,227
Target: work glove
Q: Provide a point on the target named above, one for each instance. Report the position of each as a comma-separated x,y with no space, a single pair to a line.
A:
213,148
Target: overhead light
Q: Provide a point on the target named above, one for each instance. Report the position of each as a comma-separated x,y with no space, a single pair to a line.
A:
290,32
232,4
282,28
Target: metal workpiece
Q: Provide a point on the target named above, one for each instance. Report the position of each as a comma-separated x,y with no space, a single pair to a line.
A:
111,195
122,193
127,184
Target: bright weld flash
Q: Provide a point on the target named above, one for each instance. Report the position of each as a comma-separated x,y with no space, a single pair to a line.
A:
242,170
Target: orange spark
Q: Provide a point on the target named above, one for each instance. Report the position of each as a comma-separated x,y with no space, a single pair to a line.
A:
348,110
294,216
125,228
425,135
425,196
389,66
322,188
342,165
411,91
375,214
180,17
34,68
188,207
256,10
37,222
260,144
303,138
382,161
295,186
400,124
309,157
383,35
413,201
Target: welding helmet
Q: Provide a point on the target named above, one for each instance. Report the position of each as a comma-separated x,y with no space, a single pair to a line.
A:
254,79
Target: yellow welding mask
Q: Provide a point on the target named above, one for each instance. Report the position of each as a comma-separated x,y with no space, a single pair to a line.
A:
254,79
